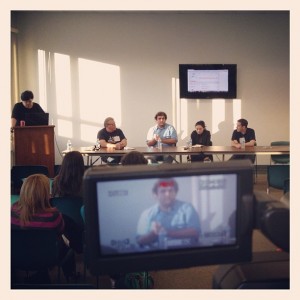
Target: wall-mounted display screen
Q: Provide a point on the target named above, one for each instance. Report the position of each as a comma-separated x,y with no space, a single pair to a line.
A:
207,81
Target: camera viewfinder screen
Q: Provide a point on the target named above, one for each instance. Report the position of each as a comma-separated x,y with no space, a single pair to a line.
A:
160,214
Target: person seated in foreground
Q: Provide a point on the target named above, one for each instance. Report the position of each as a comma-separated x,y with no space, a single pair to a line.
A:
68,183
134,158
33,211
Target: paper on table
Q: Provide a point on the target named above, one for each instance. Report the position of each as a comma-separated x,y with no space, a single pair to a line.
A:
196,146
128,148
90,148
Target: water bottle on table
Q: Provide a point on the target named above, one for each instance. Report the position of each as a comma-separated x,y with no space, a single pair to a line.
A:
159,143
242,142
162,239
69,146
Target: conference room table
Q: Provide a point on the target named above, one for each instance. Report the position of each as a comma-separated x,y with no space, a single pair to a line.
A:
181,151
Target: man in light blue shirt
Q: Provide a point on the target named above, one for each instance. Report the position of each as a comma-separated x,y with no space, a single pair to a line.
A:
177,220
162,133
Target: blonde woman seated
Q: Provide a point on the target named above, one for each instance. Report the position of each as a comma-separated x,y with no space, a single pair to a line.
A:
33,211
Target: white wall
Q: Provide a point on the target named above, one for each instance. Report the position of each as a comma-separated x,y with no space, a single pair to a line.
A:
148,47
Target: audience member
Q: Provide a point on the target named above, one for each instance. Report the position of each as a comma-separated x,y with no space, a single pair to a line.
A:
243,131
134,158
68,182
201,136
22,108
172,218
33,210
111,137
163,133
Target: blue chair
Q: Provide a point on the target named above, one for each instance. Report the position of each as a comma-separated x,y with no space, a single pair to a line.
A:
82,213
277,177
70,209
18,173
283,158
34,250
14,199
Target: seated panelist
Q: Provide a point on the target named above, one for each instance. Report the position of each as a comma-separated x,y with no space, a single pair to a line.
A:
201,136
111,137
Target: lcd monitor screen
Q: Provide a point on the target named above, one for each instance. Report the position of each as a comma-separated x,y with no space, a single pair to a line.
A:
36,119
207,81
199,210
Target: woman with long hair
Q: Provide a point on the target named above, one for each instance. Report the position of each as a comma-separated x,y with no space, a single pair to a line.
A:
68,182
33,211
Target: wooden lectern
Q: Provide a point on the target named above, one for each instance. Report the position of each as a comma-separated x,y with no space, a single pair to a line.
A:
34,145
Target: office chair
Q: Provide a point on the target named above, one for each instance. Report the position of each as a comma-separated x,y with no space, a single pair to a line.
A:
34,250
283,158
277,176
85,254
82,213
70,209
18,173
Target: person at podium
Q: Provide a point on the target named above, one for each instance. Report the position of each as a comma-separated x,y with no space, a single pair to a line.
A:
24,107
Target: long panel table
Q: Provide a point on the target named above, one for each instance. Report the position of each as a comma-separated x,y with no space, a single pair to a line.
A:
89,152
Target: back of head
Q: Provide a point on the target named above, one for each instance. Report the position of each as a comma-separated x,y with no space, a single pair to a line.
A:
134,158
27,95
69,182
34,196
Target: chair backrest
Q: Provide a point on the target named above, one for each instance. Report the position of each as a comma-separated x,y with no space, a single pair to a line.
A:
82,213
74,226
34,249
277,175
20,172
69,206
283,158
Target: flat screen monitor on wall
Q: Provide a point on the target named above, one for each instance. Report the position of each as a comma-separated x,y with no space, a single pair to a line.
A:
207,81
208,222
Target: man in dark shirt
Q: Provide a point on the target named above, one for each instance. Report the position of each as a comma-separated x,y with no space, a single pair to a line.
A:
242,131
22,108
111,137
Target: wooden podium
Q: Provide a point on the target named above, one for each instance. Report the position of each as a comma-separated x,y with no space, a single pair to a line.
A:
34,145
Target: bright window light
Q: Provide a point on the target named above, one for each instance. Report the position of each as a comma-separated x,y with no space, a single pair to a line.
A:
63,85
65,128
99,91
42,79
88,133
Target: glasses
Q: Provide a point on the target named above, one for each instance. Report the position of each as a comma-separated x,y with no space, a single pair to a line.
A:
110,124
